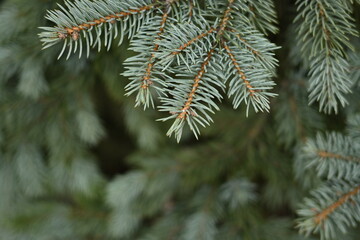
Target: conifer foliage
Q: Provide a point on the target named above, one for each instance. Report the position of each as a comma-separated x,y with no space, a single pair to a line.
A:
184,60
334,206
324,28
79,161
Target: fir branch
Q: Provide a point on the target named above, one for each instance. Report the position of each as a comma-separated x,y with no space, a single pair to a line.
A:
323,215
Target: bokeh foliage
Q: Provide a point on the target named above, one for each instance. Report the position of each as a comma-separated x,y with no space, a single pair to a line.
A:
79,161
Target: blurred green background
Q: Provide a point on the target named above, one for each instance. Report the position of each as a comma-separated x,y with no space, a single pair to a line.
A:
78,161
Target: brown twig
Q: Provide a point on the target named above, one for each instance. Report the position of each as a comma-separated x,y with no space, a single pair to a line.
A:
325,154
225,19
320,217
195,87
146,81
76,29
238,69
187,44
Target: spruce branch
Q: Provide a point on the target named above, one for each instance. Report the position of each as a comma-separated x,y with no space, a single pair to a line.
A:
263,16
330,155
225,19
353,126
333,156
180,51
244,82
247,84
77,22
191,8
141,84
324,30
195,87
146,79
191,41
259,46
71,31
193,96
324,214
332,209
241,84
